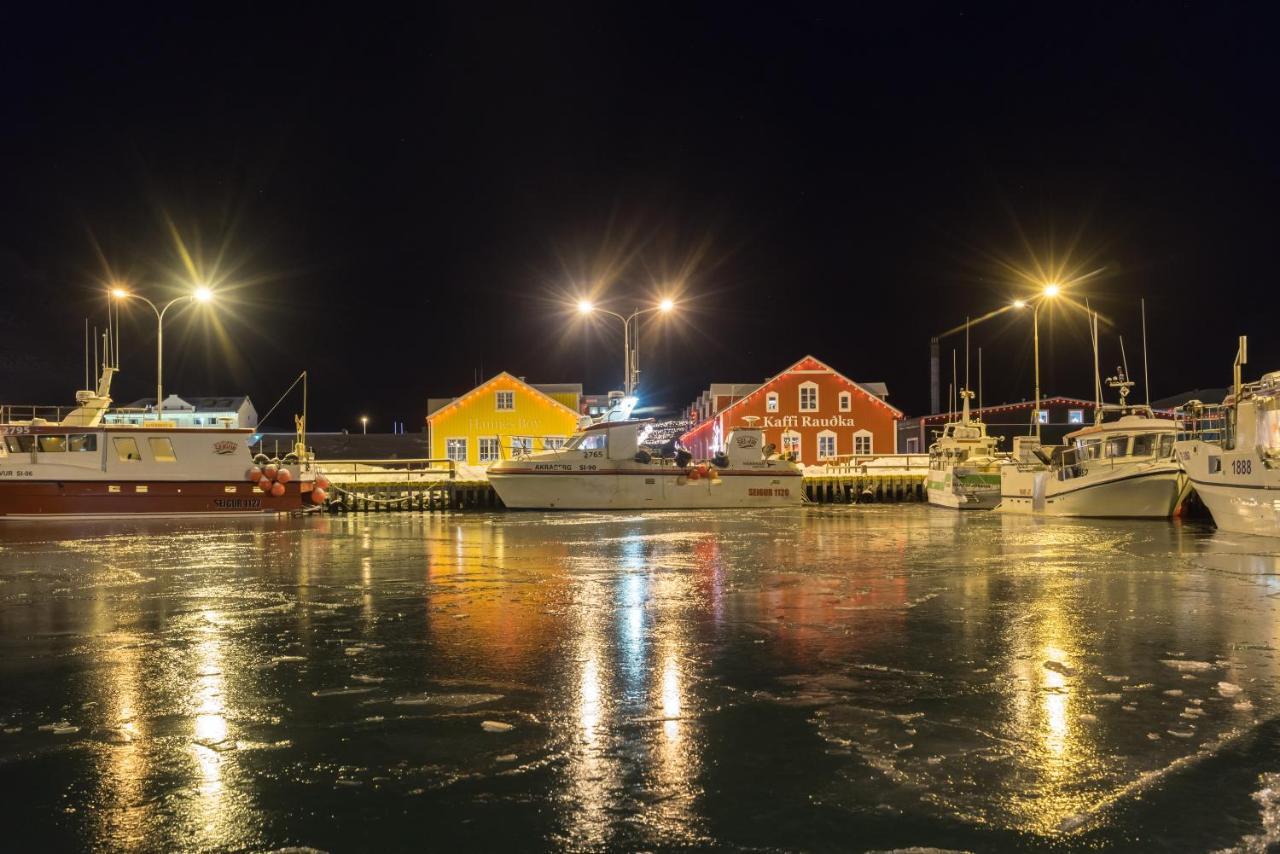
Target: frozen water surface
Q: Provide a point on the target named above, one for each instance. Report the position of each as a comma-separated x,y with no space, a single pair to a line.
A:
824,678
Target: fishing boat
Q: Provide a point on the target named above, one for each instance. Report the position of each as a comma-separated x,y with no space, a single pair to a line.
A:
1231,453
1119,468
74,466
604,467
964,464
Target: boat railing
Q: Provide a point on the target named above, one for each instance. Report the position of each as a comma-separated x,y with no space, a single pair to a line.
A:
11,412
1206,422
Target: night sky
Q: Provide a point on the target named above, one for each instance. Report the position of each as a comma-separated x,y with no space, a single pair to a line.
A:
399,202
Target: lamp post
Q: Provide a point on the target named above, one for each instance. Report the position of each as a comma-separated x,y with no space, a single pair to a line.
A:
630,350
202,294
364,424
1050,291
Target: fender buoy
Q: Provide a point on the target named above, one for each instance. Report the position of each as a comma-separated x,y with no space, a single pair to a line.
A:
317,496
284,476
322,482
692,475
254,474
270,471
277,489
264,484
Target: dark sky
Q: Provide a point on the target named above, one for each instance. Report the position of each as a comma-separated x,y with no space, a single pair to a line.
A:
398,202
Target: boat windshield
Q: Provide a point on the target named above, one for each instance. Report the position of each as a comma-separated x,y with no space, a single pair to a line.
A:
596,440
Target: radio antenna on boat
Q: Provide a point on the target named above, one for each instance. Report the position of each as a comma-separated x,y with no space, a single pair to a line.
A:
86,352
966,354
955,381
1146,376
1124,360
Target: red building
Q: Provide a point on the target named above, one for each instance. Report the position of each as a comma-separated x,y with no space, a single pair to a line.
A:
809,409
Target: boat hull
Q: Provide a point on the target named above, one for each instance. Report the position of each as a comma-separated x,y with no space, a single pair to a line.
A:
1149,493
975,491
26,500
1239,490
640,490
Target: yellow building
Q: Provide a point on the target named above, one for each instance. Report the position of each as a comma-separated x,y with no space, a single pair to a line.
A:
500,417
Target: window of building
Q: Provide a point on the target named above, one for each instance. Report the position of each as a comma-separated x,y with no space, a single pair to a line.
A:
1075,416
808,397
553,443
913,445
863,444
521,445
771,402
489,447
126,448
456,450
506,401
161,449
82,442
51,444
1042,415
846,401
791,444
826,445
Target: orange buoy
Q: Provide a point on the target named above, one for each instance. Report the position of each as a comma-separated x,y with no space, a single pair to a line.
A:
254,474
277,489
702,469
317,496
322,482
284,476
265,484
270,471
693,474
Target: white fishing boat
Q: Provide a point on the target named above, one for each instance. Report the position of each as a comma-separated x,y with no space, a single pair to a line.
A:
1231,453
1119,468
964,464
65,463
603,467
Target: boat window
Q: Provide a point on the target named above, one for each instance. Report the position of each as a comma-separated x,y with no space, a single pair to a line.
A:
1145,444
1166,446
596,441
20,444
52,444
126,448
82,442
1088,449
161,449
1117,446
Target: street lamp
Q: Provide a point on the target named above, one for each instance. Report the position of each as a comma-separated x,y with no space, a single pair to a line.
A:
364,424
1050,291
630,350
202,294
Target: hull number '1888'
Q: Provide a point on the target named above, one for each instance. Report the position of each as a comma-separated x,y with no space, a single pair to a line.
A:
1242,466
779,490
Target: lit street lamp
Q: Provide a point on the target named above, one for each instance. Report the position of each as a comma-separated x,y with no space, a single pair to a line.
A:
1050,291
364,424
630,347
202,294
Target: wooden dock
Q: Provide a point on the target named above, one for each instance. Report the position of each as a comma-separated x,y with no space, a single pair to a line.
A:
428,486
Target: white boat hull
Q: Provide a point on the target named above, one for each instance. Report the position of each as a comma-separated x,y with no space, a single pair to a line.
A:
640,490
1133,492
1239,490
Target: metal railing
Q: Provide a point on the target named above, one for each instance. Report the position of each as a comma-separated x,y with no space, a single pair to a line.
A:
1208,422
865,463
417,472
10,412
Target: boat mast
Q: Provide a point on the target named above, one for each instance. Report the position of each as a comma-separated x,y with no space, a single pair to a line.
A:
1146,376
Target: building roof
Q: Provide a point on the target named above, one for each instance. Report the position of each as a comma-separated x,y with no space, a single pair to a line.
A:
559,388
1045,402
198,404
448,404
822,367
1204,395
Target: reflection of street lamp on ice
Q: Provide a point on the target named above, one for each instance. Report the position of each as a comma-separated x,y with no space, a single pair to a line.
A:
202,294
1050,291
364,424
630,346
